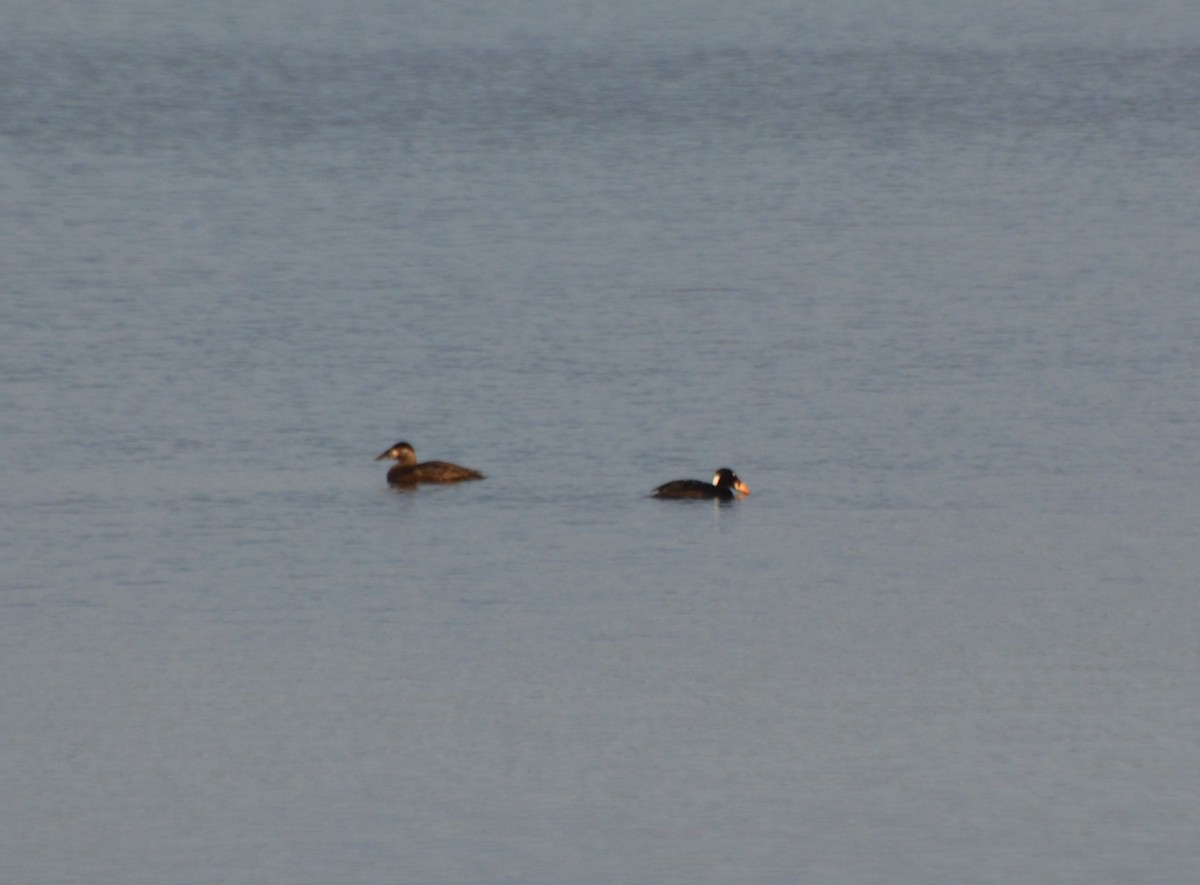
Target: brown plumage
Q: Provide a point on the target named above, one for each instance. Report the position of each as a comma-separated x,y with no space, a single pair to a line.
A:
407,472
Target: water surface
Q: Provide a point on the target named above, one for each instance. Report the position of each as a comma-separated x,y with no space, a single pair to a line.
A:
927,284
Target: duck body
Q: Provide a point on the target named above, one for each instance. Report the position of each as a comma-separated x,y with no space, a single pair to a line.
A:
725,486
407,472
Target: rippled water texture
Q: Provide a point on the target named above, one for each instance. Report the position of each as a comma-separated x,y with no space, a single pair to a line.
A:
927,282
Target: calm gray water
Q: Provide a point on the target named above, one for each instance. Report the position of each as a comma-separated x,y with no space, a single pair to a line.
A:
924,275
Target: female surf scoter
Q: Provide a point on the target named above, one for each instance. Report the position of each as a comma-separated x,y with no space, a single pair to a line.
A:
725,486
407,472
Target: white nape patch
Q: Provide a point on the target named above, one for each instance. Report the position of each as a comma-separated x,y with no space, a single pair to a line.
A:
716,479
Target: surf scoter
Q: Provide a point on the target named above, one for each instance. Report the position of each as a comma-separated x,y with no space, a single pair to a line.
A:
725,486
407,472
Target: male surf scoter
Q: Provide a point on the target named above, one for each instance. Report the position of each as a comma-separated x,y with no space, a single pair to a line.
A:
407,472
725,486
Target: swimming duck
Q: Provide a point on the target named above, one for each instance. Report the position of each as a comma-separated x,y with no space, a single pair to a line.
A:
725,486
407,472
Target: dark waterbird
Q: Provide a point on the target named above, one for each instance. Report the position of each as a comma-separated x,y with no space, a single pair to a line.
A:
725,486
407,472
